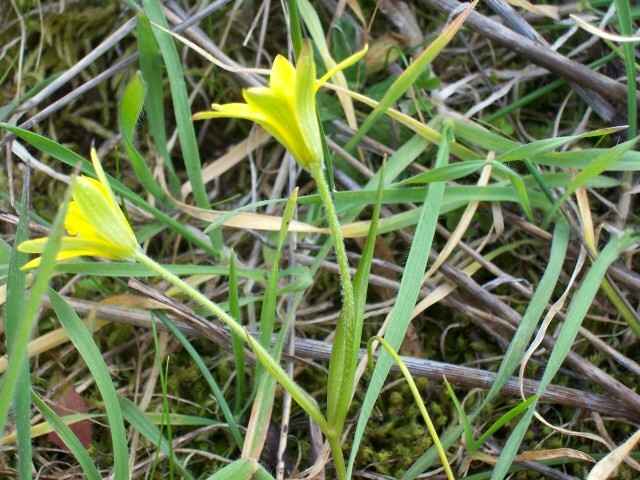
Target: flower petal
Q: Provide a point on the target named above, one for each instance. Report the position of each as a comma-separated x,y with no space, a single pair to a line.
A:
346,63
230,110
33,246
102,177
283,76
102,220
281,121
73,247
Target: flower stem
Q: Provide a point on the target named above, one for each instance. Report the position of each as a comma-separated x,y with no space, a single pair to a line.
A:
306,402
338,243
344,354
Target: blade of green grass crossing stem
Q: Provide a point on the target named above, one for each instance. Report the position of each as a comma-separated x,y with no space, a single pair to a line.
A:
150,62
166,412
580,305
130,110
126,269
16,288
625,21
30,310
217,393
266,384
341,378
519,343
182,111
236,342
88,350
407,295
68,437
599,165
139,420
410,75
71,158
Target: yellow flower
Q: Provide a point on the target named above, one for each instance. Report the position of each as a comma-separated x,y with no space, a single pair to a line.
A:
287,108
95,224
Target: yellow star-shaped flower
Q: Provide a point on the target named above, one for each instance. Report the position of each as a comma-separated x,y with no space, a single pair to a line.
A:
95,224
287,108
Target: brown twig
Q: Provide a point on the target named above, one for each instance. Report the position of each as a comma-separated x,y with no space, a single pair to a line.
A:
538,54
318,350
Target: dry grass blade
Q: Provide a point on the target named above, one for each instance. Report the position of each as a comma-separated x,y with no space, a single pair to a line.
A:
607,467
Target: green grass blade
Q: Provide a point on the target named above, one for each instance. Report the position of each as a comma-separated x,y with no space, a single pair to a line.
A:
236,342
88,350
241,469
361,277
537,306
130,110
504,419
166,411
407,296
217,393
459,170
447,172
181,109
599,165
295,29
534,149
150,62
268,313
30,311
141,423
68,437
410,75
579,306
472,133
14,308
519,342
417,398
625,21
463,418
266,386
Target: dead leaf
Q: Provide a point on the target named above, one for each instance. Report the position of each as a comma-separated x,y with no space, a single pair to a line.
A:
68,401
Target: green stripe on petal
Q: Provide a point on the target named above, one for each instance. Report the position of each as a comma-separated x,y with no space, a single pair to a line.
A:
73,247
102,220
305,104
102,177
33,246
79,246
